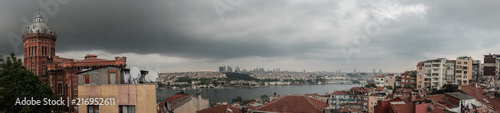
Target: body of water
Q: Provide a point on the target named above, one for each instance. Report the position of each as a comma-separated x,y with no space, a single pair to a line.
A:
219,95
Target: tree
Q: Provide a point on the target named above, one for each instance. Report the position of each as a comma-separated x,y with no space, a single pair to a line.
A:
389,87
237,99
20,83
264,97
371,85
409,87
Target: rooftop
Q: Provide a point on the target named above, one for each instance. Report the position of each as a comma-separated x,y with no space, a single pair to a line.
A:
479,95
295,103
460,96
403,108
221,109
177,96
340,93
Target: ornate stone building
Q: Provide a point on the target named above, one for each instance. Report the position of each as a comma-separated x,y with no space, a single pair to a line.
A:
60,73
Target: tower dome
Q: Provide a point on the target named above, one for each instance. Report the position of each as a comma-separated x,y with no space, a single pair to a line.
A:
38,25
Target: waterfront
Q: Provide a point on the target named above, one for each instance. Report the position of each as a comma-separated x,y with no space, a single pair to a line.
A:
218,95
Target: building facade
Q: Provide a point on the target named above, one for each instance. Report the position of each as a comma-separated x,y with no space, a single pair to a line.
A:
463,70
40,58
379,80
109,83
390,80
420,76
338,98
433,74
491,67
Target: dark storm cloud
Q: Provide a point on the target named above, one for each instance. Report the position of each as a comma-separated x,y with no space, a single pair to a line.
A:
167,27
301,30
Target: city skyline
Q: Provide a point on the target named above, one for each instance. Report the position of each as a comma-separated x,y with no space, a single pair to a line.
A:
177,36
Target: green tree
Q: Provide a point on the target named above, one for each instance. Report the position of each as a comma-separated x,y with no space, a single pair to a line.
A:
245,102
389,87
237,99
371,85
264,97
409,87
19,83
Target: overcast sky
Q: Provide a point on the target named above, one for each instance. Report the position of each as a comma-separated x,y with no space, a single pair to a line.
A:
319,35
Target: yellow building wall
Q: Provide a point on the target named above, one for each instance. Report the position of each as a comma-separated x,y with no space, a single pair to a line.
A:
146,98
143,96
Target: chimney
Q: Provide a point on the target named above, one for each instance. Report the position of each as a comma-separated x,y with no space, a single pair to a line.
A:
198,94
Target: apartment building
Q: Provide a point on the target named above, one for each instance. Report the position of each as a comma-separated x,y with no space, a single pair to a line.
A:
390,80
463,70
491,67
434,73
420,76
379,80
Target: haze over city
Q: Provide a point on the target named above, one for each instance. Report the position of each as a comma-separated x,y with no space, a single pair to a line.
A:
176,36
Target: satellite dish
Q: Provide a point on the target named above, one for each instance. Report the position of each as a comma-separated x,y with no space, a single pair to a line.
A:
135,72
147,78
153,76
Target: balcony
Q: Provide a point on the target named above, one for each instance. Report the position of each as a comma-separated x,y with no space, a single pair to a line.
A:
434,63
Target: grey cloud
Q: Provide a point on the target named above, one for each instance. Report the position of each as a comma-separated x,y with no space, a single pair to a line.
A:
255,28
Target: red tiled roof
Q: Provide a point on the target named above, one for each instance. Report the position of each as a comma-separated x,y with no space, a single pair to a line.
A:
402,90
479,95
399,90
177,97
355,88
295,103
420,64
221,109
379,76
318,103
340,93
439,98
359,89
379,88
403,108
343,110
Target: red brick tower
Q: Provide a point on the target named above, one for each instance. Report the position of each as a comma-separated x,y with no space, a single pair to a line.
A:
39,45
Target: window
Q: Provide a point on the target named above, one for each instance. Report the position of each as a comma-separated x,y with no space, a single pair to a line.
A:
59,89
465,62
112,77
87,79
127,109
93,109
459,62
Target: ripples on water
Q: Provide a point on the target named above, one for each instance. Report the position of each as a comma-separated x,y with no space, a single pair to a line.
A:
218,95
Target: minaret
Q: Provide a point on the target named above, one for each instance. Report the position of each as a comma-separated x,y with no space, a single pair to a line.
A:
39,45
